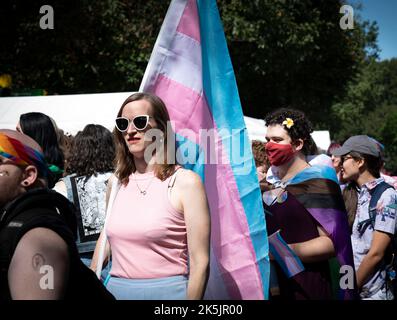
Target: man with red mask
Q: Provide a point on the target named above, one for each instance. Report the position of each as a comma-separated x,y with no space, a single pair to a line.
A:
307,212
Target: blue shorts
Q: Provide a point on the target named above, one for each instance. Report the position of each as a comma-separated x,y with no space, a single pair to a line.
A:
169,288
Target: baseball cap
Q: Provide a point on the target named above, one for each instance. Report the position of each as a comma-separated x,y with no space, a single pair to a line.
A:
361,144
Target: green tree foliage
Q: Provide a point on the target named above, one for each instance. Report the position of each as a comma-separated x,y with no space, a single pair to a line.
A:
389,138
285,53
294,53
95,46
369,107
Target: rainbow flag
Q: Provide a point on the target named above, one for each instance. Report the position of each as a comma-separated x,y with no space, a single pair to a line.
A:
190,69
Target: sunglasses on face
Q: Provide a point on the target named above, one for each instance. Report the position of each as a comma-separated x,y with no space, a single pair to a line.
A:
139,122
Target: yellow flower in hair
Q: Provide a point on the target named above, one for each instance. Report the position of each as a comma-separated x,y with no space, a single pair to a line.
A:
5,81
288,123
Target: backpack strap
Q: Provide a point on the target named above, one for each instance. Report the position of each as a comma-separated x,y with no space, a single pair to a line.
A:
172,182
111,193
375,193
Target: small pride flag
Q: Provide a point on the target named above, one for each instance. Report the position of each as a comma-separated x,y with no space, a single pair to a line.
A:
284,255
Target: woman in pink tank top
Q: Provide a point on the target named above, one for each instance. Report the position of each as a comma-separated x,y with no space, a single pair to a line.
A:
157,226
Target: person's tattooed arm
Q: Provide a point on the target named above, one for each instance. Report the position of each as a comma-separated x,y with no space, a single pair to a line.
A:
40,266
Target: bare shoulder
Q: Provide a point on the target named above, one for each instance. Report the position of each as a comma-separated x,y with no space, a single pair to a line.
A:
188,179
42,246
42,238
60,187
60,184
39,248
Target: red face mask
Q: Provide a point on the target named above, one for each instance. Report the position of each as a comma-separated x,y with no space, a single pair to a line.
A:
279,154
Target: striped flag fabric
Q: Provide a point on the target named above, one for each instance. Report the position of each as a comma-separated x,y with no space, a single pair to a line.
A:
190,69
317,190
284,255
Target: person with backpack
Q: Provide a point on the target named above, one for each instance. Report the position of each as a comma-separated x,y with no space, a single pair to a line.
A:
38,255
371,205
88,169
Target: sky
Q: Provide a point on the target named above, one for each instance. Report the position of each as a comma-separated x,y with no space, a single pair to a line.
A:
384,12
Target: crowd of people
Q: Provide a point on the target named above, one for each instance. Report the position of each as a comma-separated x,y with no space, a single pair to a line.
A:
116,219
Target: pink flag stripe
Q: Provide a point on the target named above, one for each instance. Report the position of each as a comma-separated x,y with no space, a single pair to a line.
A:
186,107
175,74
189,23
230,233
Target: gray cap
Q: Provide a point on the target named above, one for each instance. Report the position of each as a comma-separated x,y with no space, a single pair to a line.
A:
361,144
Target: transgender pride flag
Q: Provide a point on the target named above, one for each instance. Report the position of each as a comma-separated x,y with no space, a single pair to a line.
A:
190,69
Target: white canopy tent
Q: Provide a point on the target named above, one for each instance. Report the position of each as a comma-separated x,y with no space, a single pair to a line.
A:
73,112
70,112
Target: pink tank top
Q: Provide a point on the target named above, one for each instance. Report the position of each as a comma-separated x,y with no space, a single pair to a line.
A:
146,233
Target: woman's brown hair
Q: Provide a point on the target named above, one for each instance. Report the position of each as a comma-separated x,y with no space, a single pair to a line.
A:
124,161
92,152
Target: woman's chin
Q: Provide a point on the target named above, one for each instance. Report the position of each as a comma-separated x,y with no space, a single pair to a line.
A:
136,151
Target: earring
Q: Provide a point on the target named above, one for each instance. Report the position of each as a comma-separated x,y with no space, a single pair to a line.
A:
25,183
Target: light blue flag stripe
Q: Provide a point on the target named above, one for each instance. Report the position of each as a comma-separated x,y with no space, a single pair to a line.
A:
222,95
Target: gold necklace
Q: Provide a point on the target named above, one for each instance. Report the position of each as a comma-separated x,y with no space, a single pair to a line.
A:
143,192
